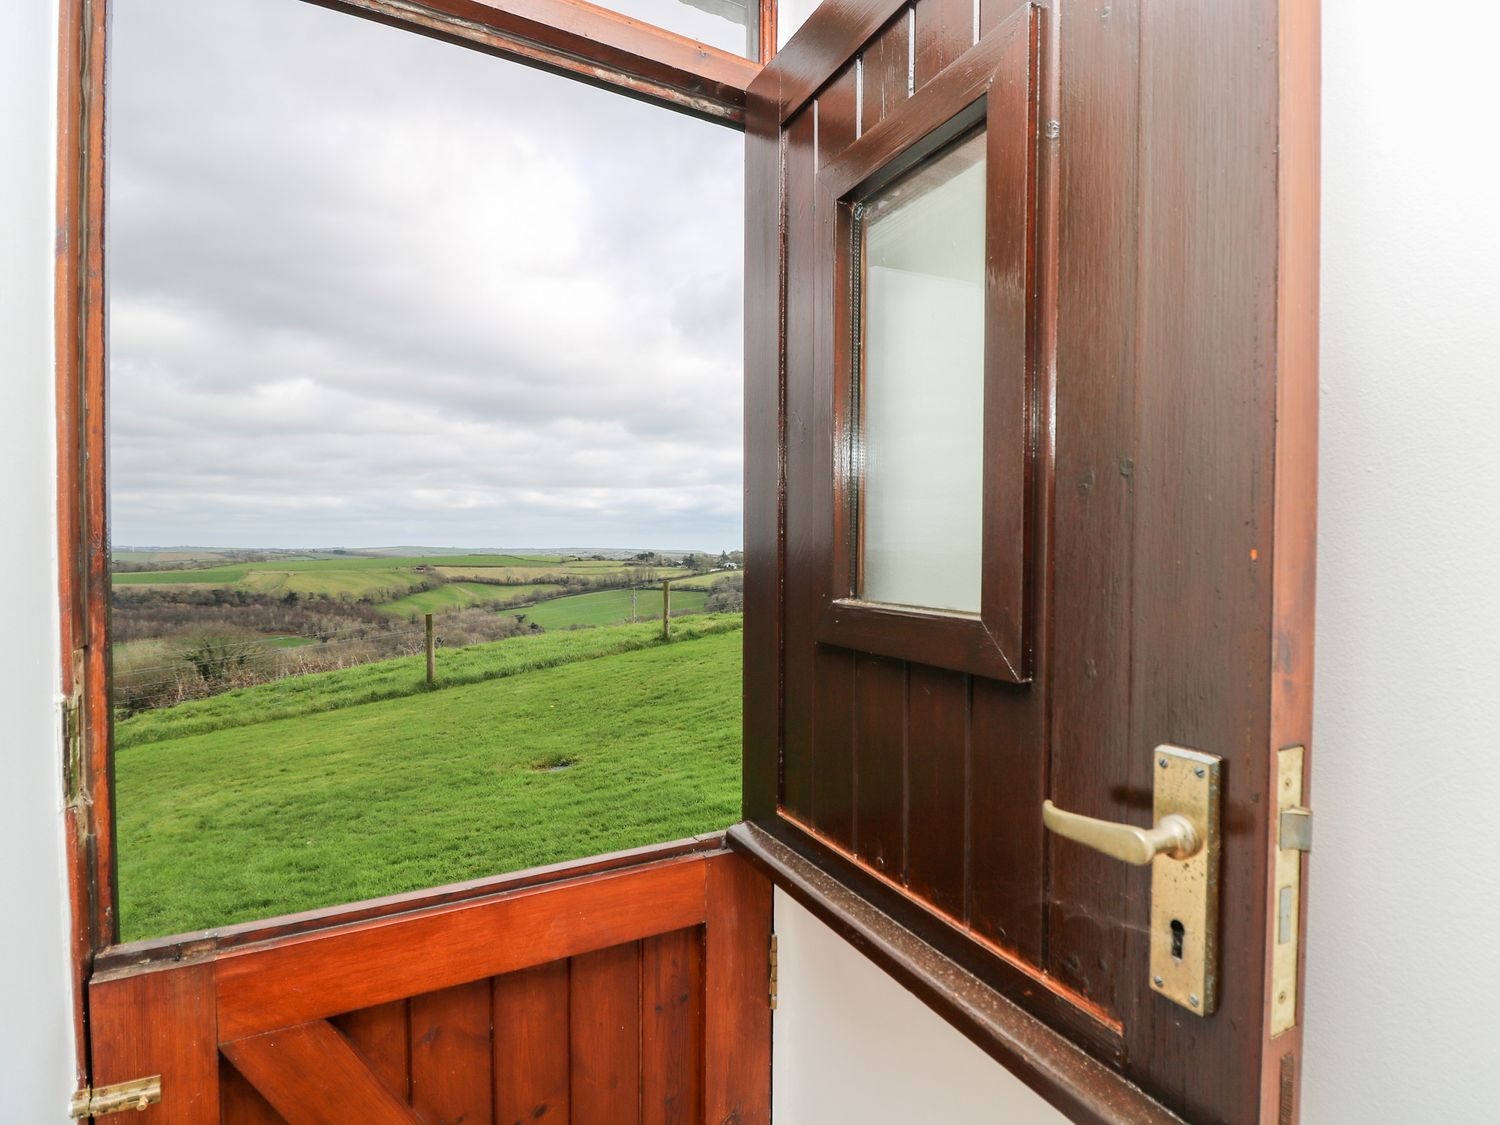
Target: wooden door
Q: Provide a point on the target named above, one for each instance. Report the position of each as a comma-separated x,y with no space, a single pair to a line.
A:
637,993
1144,279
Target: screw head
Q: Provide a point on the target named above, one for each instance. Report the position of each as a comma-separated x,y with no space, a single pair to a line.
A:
1156,981
1162,762
1199,772
1193,1000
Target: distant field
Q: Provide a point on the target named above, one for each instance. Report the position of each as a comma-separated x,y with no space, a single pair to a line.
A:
457,595
356,799
702,581
587,567
608,607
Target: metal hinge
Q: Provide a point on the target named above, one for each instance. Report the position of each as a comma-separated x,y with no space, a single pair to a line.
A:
122,1097
773,972
72,707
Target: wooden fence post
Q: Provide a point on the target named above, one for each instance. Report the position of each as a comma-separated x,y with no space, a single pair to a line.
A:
431,661
666,610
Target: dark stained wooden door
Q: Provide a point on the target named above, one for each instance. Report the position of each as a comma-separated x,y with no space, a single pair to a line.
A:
1158,171
634,995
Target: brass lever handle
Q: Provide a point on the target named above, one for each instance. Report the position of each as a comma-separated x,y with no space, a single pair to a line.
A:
1174,835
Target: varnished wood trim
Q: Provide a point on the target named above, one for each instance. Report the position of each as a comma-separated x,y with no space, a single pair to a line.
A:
1062,1073
819,49
583,41
313,976
205,943
1294,533
78,310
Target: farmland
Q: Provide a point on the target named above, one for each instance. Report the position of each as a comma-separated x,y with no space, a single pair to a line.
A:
364,782
609,607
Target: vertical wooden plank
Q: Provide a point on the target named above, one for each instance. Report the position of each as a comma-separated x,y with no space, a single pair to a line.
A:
737,1010
838,113
451,1080
383,1035
880,764
806,537
992,13
160,1022
1096,475
887,71
531,1045
937,739
833,732
1007,783
604,1005
944,30
241,1103
672,1028
1203,514
765,242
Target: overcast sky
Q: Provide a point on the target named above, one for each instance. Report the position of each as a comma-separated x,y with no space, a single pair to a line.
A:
370,289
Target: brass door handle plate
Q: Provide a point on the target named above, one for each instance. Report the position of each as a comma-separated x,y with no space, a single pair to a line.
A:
1183,853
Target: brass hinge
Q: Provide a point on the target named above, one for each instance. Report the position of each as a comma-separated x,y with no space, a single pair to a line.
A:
122,1097
773,972
72,707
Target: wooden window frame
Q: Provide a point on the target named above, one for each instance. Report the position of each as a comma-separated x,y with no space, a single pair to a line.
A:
994,86
567,37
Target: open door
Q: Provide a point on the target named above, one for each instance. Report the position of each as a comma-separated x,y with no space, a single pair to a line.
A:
1029,618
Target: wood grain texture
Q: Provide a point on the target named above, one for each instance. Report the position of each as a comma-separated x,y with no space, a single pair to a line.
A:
737,1010
312,1075
159,1022
382,1034
451,1055
672,1028
937,740
604,1003
880,728
887,70
315,976
765,436
241,1103
944,30
806,543
531,1045
583,41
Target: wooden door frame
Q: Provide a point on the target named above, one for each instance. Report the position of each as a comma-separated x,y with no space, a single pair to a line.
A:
1016,1021
568,37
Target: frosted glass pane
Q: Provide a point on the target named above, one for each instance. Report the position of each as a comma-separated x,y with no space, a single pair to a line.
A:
922,399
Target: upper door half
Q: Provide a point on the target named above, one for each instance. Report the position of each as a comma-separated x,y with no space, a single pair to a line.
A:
1031,437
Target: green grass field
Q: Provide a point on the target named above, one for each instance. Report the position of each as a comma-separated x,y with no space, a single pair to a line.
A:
458,595
608,607
232,812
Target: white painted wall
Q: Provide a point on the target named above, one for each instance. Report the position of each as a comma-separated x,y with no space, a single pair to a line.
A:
1404,916
36,1045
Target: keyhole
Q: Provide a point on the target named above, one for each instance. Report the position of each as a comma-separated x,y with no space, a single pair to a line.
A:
1178,929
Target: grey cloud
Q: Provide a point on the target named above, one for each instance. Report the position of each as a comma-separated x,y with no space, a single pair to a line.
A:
367,288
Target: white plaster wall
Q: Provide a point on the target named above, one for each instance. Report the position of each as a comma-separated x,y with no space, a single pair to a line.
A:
853,1045
36,1046
1404,910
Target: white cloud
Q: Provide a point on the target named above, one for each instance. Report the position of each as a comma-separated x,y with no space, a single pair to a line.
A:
371,288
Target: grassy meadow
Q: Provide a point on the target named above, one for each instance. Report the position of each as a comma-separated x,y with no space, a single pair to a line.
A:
609,607
347,785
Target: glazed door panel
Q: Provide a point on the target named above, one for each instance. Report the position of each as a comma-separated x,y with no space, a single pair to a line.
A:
1149,423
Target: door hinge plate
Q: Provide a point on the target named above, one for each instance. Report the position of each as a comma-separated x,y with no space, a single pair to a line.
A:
1293,838
123,1097
1185,892
773,974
